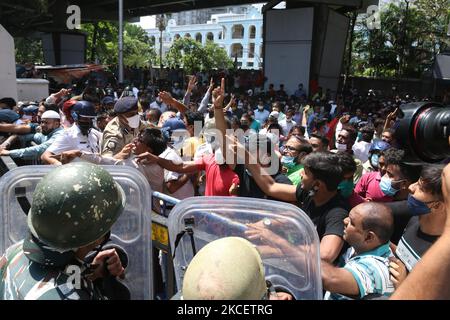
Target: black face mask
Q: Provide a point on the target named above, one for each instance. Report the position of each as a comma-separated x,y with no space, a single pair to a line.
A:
244,127
85,127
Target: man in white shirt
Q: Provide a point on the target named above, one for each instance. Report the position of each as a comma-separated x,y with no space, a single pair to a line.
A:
287,123
177,185
81,136
361,148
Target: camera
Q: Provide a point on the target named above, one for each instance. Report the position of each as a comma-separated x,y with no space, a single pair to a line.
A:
423,131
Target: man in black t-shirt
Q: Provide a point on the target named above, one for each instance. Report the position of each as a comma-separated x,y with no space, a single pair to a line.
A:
317,195
426,205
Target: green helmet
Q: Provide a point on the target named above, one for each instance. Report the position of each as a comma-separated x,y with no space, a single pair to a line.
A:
75,205
225,269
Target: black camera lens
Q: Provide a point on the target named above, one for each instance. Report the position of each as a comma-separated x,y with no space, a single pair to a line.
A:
423,131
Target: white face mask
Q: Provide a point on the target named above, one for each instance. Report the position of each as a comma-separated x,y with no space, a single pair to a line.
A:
134,121
341,147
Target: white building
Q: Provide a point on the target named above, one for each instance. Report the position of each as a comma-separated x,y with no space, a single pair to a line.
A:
239,34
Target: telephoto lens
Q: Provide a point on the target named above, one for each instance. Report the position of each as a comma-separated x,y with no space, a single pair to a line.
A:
423,131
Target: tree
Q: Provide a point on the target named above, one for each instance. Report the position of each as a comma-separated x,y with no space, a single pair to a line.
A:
411,34
28,50
138,50
193,57
216,57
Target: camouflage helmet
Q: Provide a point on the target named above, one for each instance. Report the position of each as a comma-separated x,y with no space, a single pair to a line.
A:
75,205
226,269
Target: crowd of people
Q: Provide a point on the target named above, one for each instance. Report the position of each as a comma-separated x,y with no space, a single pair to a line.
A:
335,156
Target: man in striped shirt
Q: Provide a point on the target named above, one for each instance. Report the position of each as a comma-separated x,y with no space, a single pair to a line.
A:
363,271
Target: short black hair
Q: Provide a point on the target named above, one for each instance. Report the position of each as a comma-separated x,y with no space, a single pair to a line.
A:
325,167
324,140
378,219
10,102
346,161
394,156
298,127
352,134
192,116
305,146
367,132
431,179
154,139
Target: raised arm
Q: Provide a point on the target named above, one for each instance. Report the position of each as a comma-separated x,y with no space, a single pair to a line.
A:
167,98
203,108
191,85
183,167
266,183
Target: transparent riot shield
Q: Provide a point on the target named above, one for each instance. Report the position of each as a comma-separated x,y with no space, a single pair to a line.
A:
282,233
132,231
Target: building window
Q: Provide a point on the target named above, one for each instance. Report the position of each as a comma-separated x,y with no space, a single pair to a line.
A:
187,35
237,31
249,64
177,36
152,40
198,37
252,34
236,50
210,36
220,35
251,50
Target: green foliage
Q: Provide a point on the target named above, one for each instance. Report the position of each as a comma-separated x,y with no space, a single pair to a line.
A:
407,42
193,57
28,50
137,48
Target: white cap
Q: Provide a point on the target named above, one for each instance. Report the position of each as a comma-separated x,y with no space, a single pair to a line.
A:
50,114
274,114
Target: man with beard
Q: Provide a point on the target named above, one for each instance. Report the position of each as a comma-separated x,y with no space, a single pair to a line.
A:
81,136
50,130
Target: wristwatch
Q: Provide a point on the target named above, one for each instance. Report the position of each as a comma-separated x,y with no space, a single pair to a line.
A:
267,222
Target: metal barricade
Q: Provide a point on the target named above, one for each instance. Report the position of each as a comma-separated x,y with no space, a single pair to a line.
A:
160,239
6,164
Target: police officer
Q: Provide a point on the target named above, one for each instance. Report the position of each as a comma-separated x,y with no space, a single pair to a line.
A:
125,127
72,212
81,136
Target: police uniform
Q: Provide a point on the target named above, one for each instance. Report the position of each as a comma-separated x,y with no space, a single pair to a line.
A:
116,135
30,270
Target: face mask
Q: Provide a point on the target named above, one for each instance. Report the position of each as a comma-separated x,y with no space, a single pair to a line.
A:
288,162
374,161
341,147
260,108
288,119
85,127
417,207
386,187
346,188
134,121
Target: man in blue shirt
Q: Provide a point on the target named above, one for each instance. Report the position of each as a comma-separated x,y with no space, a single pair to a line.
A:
363,271
50,129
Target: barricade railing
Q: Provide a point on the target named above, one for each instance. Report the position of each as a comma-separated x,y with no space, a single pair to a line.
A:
161,241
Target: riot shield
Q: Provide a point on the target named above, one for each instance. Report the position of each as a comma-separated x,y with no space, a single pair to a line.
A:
283,234
132,230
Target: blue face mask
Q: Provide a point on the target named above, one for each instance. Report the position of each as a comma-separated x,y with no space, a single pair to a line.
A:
288,162
386,187
417,207
359,136
346,188
374,160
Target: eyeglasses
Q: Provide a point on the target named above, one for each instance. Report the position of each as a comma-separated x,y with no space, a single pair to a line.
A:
289,148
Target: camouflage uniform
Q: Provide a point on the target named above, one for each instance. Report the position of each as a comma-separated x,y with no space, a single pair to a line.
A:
32,271
115,137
